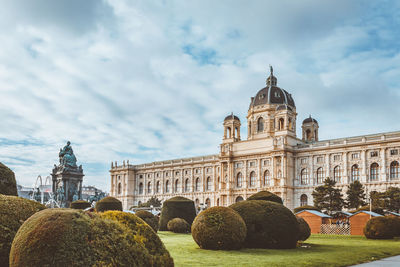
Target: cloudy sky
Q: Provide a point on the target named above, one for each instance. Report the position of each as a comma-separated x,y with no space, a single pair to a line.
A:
153,80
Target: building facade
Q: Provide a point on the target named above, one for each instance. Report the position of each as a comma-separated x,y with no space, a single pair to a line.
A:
272,158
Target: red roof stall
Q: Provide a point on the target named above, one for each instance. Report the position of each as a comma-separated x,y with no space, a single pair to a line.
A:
314,219
358,221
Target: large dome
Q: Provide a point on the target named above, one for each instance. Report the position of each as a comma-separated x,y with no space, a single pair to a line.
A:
272,94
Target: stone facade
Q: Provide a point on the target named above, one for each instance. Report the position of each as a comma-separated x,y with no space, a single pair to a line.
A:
272,158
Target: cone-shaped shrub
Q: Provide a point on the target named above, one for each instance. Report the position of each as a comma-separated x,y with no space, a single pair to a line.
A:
80,205
108,203
177,207
304,229
143,234
178,225
382,228
13,212
269,224
219,228
149,218
67,237
266,195
8,185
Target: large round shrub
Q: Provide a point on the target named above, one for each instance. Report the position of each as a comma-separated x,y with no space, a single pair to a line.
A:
67,237
219,228
149,218
80,205
269,224
108,203
13,212
382,228
305,207
177,207
144,234
178,225
304,229
266,195
8,184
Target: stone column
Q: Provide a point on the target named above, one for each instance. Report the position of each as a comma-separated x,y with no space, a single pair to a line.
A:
363,166
260,175
345,174
383,176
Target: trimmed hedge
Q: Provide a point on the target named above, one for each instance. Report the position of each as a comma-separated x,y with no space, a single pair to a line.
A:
8,184
306,207
178,225
67,237
13,212
80,205
144,234
304,229
219,228
108,203
177,207
269,224
266,195
382,228
149,218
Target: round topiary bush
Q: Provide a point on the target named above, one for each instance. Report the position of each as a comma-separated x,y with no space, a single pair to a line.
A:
269,224
178,225
144,234
80,205
395,222
67,237
304,229
108,203
8,185
306,207
382,228
219,228
266,195
13,212
177,207
149,218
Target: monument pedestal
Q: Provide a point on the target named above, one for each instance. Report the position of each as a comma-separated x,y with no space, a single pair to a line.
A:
69,184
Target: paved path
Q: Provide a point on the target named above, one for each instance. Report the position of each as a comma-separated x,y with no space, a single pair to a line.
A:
387,262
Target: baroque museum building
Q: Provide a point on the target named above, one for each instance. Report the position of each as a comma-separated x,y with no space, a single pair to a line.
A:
272,158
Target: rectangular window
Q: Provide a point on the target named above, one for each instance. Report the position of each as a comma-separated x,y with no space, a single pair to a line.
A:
266,162
374,154
140,176
355,156
336,157
394,152
320,159
238,165
303,161
252,164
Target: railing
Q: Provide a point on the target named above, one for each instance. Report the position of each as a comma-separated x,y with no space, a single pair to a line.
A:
335,229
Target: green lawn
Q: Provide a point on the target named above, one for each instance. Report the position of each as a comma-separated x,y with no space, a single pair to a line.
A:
320,250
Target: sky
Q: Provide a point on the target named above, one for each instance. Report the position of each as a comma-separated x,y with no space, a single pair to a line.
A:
153,80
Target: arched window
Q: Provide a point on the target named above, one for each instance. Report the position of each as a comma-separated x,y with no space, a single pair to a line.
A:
260,125
355,173
187,185
290,124
281,123
304,176
140,188
167,186
217,201
158,187
209,184
253,179
197,202
176,185
336,174
149,187
239,180
266,178
236,132
374,172
197,184
308,135
238,199
119,189
208,202
320,175
303,200
394,170
229,132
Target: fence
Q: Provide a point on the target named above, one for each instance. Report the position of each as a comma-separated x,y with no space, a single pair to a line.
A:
334,229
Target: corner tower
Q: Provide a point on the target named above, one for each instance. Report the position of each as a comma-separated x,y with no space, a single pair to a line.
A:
231,129
310,130
272,112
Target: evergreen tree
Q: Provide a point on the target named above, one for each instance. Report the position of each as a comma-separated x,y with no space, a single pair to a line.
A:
327,197
392,199
153,201
355,195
